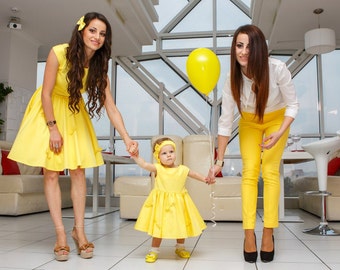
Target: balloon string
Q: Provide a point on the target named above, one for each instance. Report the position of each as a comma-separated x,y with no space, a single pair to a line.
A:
213,206
212,191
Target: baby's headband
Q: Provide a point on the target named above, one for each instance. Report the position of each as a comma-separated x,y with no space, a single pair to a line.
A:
158,148
81,24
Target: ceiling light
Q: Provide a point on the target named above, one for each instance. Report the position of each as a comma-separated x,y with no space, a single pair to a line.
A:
319,40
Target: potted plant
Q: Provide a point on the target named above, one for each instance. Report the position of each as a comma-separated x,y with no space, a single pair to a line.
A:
4,91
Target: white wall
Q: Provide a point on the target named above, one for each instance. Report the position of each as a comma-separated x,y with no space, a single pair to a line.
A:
19,56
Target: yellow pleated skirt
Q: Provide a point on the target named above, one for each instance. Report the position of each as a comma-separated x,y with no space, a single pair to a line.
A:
80,149
170,215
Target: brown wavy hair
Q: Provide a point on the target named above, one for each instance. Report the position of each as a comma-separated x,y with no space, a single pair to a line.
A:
257,69
98,67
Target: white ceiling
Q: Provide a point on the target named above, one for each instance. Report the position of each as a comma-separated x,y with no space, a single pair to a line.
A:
285,22
49,22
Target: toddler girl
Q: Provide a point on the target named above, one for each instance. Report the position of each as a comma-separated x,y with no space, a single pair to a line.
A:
169,211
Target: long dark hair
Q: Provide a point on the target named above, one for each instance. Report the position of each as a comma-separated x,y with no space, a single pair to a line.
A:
98,68
257,69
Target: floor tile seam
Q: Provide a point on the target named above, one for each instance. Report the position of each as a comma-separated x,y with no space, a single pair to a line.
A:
29,242
192,251
124,257
110,232
101,235
40,267
304,244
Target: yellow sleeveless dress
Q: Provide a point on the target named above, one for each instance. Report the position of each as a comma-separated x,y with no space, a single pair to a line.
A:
80,148
169,211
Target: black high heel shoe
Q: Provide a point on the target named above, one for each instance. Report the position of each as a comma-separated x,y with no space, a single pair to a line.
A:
267,256
250,257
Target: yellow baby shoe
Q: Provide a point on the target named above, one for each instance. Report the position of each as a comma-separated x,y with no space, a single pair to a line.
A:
151,257
181,252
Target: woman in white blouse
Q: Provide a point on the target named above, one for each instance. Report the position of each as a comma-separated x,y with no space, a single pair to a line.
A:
262,90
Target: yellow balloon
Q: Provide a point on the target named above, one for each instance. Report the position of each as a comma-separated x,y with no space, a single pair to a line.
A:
203,69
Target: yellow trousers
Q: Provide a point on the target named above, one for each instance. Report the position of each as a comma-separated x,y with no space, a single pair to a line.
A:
254,161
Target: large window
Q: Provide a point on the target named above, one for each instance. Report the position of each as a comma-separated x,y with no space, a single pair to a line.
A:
154,95
183,29
331,91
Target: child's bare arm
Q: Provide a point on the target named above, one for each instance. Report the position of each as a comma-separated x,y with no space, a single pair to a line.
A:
199,177
143,164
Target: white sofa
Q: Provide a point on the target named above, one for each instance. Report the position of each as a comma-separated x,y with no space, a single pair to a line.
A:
218,202
23,193
312,203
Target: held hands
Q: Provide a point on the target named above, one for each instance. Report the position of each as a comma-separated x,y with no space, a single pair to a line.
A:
210,179
132,148
135,155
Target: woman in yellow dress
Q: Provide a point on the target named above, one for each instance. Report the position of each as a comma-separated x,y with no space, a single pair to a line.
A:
169,211
56,132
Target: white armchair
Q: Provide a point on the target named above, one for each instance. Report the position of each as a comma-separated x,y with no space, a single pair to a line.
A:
220,201
195,152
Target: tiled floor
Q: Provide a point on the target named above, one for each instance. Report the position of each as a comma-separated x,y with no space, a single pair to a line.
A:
26,242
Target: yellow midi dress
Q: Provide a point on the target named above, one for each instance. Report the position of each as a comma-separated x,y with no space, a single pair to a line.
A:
80,148
169,211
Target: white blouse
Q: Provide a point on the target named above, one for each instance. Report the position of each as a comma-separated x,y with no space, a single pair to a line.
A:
281,94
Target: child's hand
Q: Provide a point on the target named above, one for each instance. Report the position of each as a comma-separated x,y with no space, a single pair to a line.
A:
135,154
210,181
132,148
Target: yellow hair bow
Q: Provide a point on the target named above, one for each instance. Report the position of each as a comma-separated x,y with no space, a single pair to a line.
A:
81,24
158,148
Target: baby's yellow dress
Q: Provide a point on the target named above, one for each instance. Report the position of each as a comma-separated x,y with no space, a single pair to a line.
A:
169,211
80,147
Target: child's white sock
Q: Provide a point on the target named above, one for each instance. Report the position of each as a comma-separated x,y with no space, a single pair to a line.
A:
154,249
180,246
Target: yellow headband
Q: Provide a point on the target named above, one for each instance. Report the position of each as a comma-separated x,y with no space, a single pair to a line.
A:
158,148
81,24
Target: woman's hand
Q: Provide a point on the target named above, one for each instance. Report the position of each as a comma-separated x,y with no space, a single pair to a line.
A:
269,141
56,141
